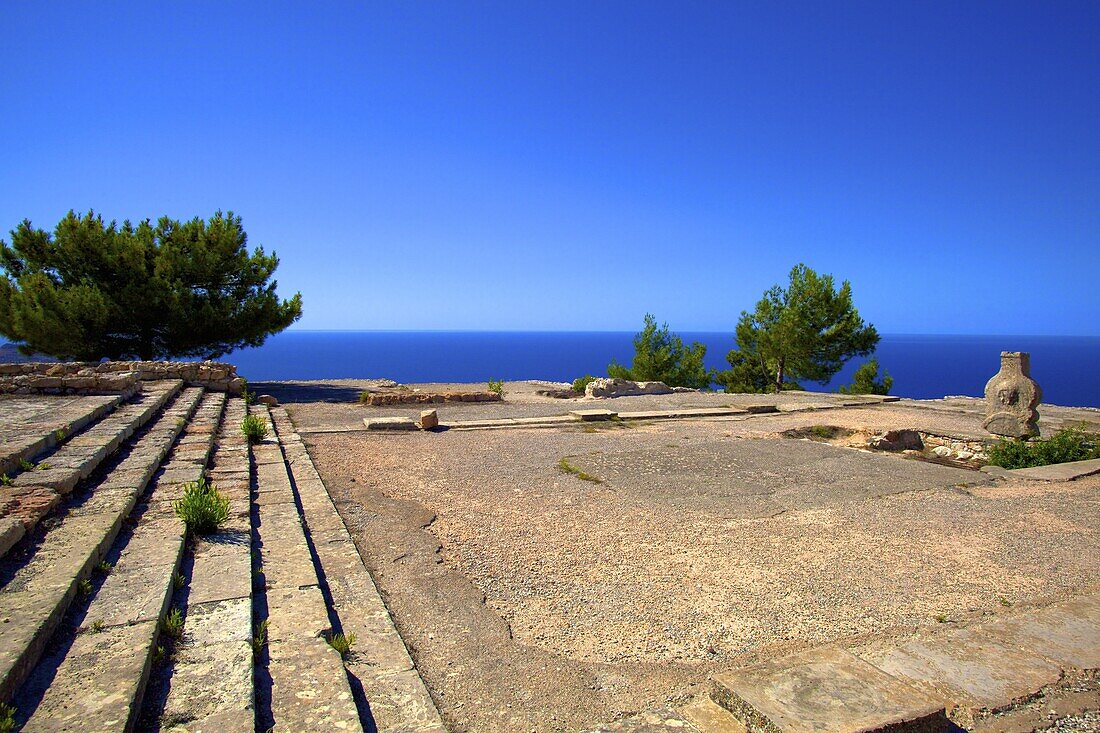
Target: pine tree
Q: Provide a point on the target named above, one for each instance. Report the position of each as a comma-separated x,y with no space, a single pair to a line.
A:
92,290
660,356
806,331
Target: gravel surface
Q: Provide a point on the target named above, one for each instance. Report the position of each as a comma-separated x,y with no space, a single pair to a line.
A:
533,599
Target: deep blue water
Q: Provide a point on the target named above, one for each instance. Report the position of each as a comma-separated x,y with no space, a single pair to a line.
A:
926,366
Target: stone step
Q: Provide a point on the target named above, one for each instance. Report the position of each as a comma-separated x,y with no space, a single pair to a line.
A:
34,425
40,583
398,698
95,683
309,685
826,690
35,493
210,682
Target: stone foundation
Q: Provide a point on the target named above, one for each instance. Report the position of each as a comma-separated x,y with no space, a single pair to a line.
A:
427,398
114,377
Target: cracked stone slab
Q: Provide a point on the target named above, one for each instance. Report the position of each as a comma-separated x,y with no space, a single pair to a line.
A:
309,688
968,670
1067,633
96,691
826,690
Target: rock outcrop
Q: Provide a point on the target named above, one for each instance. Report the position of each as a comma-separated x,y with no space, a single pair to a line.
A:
614,387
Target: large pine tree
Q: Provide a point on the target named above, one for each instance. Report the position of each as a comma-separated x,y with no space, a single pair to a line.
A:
93,290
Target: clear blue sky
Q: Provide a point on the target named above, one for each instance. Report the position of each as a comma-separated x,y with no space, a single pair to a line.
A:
522,165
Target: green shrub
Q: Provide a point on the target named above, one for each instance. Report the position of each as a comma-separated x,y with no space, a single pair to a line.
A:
581,383
203,508
496,385
1069,444
866,380
254,428
364,396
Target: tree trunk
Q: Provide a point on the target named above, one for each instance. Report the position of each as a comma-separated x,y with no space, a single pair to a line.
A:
779,375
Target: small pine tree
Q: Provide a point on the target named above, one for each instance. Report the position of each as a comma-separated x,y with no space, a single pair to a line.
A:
660,356
866,381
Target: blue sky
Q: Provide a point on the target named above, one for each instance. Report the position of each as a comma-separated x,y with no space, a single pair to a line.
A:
521,165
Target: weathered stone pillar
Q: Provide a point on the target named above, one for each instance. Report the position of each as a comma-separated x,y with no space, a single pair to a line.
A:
1011,397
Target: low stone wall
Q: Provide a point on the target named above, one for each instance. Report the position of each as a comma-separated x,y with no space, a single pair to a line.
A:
946,446
427,398
114,377
81,382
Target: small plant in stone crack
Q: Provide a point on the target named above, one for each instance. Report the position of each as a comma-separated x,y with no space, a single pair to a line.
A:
7,719
178,580
25,464
43,466
84,587
254,428
104,567
567,467
172,626
59,434
97,626
6,480
497,386
203,508
341,643
259,639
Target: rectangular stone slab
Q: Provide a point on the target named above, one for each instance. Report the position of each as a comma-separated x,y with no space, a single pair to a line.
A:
826,690
1067,633
589,415
390,423
968,670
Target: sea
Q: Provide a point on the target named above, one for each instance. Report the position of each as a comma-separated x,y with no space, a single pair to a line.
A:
923,366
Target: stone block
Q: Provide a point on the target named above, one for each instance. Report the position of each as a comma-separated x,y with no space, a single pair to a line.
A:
389,423
592,415
429,419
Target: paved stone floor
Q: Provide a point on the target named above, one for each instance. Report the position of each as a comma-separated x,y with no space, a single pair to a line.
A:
535,599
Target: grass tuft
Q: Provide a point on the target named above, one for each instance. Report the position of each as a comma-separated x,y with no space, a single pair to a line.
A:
7,718
104,567
259,638
6,480
203,508
255,428
97,626
172,626
341,643
569,468
84,587
178,580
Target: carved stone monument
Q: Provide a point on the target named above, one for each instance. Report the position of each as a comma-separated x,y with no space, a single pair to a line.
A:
1011,397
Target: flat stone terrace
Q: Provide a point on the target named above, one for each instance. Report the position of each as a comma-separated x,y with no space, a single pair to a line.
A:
573,575
113,617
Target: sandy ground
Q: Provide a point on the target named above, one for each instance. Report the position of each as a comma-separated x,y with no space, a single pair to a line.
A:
534,600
